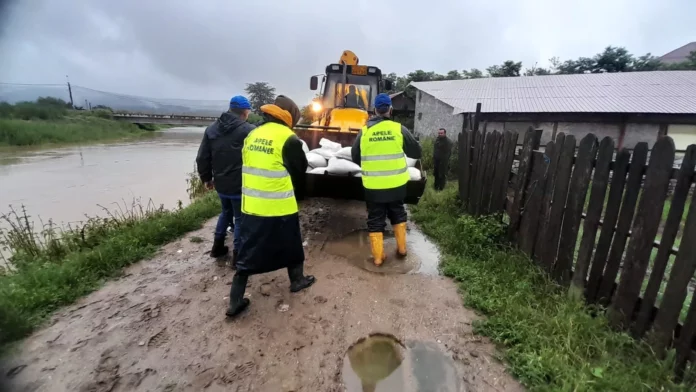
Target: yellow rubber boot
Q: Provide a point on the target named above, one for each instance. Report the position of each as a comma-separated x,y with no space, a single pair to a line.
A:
400,234
377,245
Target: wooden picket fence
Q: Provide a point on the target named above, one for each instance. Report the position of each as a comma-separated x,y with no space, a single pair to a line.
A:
586,245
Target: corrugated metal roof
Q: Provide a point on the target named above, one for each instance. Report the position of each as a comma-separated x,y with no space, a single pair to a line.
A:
680,54
672,92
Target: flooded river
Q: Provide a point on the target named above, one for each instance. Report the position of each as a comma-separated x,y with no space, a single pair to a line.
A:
64,184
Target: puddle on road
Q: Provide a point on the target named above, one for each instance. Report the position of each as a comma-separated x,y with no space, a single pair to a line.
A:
380,362
423,256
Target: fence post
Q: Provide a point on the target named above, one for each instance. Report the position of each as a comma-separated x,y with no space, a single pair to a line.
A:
645,227
553,151
531,142
633,185
669,235
600,181
464,165
529,225
618,182
575,203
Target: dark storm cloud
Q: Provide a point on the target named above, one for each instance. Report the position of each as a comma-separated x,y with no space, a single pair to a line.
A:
210,49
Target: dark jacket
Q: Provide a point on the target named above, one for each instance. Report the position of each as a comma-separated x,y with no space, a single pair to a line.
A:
272,243
220,154
412,149
442,149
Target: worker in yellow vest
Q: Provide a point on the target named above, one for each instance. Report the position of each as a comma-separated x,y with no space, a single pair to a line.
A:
381,149
273,170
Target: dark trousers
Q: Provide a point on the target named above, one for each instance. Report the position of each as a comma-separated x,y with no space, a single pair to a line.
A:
377,214
231,213
440,174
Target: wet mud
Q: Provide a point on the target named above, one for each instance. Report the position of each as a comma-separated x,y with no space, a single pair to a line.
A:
161,326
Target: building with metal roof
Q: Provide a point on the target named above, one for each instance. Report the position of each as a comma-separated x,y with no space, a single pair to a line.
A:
630,107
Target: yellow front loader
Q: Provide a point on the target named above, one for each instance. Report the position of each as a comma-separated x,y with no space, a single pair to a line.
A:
345,102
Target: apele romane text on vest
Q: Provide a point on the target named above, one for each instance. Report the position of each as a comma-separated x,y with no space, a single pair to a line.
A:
262,145
382,136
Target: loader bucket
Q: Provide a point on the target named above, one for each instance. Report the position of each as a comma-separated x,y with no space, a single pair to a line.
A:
346,187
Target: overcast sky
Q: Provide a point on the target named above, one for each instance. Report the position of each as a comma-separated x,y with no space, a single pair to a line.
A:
209,49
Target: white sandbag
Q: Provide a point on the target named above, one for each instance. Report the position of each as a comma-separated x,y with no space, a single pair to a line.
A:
324,152
345,153
315,160
305,147
329,145
341,166
411,162
317,170
414,173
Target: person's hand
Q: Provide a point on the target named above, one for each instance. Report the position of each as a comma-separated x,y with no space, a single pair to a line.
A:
209,185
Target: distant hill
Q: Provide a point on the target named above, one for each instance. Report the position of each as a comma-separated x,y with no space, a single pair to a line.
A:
14,93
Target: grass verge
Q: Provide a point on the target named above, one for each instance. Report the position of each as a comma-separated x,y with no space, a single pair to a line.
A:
51,269
51,121
552,343
70,130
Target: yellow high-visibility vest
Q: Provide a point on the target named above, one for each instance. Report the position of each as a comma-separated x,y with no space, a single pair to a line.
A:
266,185
382,156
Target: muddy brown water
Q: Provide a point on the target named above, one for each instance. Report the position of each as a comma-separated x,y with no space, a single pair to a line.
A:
65,184
381,362
423,256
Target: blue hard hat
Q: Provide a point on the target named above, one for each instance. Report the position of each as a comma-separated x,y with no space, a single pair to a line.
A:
382,101
239,102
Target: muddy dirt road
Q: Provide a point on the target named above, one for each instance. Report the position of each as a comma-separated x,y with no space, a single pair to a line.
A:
161,327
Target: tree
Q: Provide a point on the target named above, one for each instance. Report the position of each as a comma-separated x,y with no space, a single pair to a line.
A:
260,93
647,62
474,73
613,59
536,71
581,65
507,69
454,75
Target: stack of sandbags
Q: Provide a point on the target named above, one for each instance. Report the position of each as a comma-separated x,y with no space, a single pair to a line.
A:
332,158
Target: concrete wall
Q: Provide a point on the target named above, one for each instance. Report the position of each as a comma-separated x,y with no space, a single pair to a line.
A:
432,114
683,135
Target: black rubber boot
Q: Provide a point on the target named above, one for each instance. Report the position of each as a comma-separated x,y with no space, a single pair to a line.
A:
233,264
219,248
237,301
298,280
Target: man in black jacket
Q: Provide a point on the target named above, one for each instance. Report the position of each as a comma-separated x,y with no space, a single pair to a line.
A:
441,157
219,164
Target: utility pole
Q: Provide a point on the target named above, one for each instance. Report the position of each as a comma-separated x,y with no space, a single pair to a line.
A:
72,104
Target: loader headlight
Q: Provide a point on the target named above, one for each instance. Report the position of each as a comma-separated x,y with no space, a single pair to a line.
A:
316,107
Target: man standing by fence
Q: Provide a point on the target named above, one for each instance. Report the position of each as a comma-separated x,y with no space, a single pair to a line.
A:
219,163
442,151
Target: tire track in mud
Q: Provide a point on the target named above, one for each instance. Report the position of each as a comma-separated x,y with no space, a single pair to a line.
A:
161,326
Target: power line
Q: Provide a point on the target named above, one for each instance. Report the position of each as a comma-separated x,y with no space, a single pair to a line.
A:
32,84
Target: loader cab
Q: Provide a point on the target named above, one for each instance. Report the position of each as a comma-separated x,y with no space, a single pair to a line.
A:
350,86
